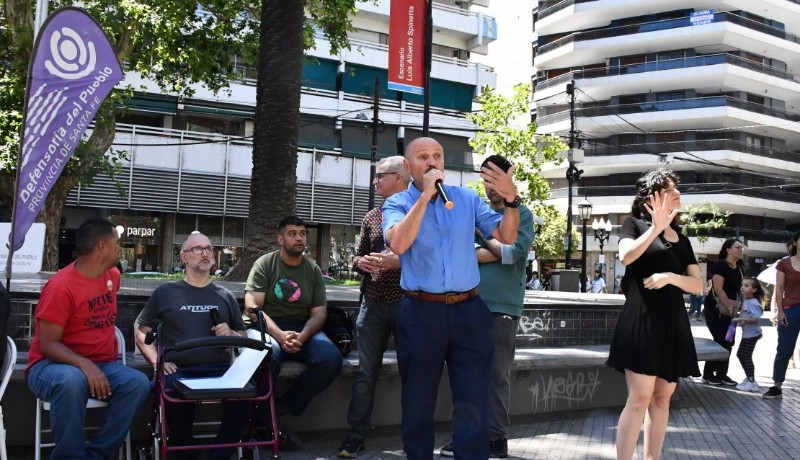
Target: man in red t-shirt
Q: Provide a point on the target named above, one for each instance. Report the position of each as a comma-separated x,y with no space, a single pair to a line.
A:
74,352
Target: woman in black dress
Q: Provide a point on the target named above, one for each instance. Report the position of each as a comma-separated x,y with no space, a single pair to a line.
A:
653,342
720,305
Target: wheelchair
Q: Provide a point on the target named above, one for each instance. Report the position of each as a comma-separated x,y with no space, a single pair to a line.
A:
258,391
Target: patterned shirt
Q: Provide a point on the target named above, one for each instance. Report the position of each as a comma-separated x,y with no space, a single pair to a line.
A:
382,287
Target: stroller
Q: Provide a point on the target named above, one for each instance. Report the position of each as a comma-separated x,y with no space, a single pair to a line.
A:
259,390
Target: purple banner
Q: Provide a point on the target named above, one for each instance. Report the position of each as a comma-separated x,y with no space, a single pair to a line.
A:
72,70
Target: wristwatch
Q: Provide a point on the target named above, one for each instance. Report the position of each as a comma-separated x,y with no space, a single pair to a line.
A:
513,204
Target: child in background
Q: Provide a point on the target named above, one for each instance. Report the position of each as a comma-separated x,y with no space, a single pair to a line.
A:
754,298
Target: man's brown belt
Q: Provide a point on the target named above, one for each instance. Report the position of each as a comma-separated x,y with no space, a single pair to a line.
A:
448,297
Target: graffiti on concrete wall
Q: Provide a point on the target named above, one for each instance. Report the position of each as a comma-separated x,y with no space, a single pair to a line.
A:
573,388
532,327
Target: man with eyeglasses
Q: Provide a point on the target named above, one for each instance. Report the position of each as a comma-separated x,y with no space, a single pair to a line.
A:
378,314
191,308
289,291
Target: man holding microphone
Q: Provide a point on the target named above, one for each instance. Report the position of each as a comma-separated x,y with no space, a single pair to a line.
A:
441,317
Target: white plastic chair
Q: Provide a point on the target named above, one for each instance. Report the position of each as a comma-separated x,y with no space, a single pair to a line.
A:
43,406
8,367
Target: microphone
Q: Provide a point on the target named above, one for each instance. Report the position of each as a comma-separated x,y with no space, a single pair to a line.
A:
443,194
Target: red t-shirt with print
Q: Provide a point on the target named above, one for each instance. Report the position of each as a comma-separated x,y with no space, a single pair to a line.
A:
86,308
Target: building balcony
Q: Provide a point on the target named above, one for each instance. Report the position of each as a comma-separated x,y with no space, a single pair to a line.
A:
720,151
727,30
376,55
606,160
477,30
562,16
695,113
725,71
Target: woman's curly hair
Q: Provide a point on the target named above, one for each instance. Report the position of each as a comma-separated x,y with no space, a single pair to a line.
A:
651,182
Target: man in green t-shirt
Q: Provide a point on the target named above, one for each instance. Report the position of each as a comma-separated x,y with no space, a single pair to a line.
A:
289,290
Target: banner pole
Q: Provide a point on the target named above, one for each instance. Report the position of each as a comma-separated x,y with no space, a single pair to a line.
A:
426,98
37,27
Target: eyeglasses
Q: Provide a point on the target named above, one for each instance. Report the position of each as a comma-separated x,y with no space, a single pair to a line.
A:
197,250
379,176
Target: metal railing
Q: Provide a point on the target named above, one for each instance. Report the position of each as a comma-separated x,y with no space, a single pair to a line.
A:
689,146
669,64
737,184
678,104
665,25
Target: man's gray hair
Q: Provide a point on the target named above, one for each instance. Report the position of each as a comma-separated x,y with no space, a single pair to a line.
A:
395,164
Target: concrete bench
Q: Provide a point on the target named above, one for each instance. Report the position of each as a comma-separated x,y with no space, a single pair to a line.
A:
544,380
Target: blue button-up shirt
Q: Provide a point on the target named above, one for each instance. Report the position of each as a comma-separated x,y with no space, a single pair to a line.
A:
442,257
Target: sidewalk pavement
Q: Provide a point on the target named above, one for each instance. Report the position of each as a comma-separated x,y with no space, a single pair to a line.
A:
706,422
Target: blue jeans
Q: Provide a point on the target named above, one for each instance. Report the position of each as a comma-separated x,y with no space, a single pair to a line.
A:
504,335
323,361
787,340
428,335
376,321
67,390
180,417
695,305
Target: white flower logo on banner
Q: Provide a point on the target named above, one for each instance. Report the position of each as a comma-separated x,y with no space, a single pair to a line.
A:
72,59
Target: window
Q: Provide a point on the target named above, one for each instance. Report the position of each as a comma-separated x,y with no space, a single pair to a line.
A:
670,96
632,99
185,224
754,141
756,99
211,226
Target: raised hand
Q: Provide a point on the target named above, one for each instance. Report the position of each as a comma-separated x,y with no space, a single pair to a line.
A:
660,214
502,181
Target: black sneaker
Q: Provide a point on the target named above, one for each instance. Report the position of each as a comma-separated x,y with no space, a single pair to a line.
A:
351,447
727,381
498,448
773,393
447,450
289,442
712,380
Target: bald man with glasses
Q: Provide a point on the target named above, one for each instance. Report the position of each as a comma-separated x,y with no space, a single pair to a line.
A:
191,308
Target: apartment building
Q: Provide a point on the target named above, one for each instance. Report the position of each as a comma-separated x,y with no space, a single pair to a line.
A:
190,159
707,88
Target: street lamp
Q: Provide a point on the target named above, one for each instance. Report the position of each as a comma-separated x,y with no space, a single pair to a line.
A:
602,231
538,221
585,212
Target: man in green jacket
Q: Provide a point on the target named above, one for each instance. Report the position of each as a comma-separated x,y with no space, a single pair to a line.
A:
502,287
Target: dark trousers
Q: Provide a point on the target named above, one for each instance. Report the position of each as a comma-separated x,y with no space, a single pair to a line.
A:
180,417
718,325
428,335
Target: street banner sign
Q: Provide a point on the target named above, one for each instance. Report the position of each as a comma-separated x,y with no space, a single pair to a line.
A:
407,46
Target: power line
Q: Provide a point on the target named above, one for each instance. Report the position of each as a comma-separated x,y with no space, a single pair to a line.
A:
694,158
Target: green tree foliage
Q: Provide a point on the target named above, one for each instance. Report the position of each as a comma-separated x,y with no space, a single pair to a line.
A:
549,241
699,220
500,132
175,44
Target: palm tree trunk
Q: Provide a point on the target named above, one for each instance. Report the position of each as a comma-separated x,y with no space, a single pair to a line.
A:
273,188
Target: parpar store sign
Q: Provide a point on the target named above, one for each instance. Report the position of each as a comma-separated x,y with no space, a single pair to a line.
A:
28,258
